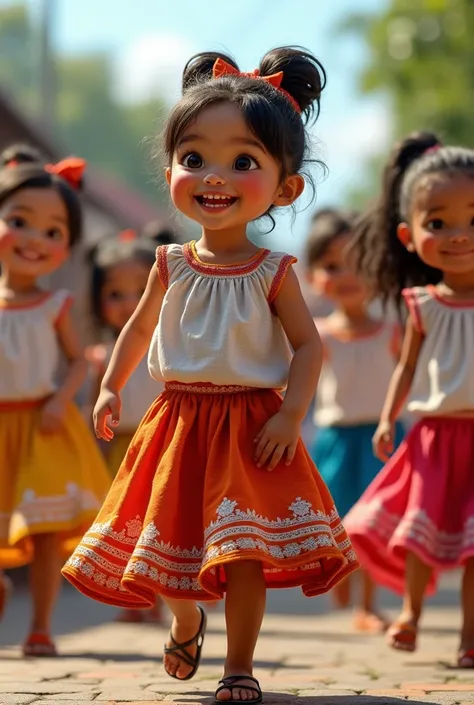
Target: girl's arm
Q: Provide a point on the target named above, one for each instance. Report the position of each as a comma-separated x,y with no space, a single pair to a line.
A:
53,410
304,338
398,390
281,432
129,350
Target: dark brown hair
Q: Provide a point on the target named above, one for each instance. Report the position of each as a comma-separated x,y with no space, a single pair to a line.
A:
382,258
107,254
327,225
22,167
267,111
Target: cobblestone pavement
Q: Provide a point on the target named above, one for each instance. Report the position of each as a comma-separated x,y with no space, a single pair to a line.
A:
306,660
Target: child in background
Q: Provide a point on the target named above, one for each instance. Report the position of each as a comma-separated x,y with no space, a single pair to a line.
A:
360,354
217,493
417,517
52,476
120,269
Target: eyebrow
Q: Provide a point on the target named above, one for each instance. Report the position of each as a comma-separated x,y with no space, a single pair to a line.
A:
440,209
248,141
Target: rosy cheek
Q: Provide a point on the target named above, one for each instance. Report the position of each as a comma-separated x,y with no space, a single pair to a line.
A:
182,183
58,252
254,185
7,238
426,246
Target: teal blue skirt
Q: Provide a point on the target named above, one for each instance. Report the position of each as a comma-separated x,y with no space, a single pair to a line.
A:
345,460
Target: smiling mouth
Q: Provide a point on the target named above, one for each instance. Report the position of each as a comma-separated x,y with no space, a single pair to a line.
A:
29,255
214,201
465,253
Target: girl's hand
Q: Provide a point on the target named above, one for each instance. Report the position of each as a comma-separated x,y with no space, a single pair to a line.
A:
108,404
280,434
382,442
52,415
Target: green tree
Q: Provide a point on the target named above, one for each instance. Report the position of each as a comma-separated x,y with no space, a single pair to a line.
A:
89,119
421,55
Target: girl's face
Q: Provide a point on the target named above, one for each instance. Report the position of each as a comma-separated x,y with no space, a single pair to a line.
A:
222,176
333,277
442,224
34,232
122,289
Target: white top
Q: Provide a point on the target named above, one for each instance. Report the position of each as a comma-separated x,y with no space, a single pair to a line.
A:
217,324
29,346
444,376
137,395
355,375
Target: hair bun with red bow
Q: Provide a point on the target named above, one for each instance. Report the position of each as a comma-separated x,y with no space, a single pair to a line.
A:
70,169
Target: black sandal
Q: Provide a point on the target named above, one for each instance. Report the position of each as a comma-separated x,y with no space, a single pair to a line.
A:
233,682
179,650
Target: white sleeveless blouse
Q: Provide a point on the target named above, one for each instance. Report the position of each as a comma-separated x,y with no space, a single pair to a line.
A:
444,377
216,324
29,347
355,376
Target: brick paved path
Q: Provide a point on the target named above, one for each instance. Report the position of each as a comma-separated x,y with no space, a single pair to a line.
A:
301,660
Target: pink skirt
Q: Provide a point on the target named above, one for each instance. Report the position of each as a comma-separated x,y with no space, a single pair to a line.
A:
422,501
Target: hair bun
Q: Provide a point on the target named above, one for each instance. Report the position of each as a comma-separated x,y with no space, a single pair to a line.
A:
411,148
21,154
199,68
304,77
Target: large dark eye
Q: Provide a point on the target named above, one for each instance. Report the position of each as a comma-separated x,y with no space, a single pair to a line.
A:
54,234
436,224
16,221
245,163
193,161
332,268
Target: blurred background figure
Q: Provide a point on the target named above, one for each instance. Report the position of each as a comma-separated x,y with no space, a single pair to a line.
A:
52,477
120,267
360,354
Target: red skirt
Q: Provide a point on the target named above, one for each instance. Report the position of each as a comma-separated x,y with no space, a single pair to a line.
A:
189,498
422,501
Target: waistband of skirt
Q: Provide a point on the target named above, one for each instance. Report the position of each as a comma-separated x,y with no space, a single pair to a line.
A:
207,388
21,404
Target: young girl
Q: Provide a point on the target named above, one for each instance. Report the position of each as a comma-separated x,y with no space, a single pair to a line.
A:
359,358
120,269
417,517
52,478
217,493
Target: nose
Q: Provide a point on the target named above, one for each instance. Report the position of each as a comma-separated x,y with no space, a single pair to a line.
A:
459,237
34,236
214,180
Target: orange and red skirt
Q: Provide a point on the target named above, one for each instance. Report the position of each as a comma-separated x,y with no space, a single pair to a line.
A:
189,498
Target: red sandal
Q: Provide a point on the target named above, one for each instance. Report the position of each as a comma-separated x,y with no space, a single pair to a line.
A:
401,636
39,644
466,658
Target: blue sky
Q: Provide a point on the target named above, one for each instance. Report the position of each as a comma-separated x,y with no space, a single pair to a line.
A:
150,41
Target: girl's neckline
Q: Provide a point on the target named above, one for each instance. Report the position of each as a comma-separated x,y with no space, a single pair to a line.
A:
247,265
349,336
32,303
447,301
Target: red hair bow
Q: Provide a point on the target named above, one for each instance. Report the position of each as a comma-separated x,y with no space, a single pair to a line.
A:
222,68
70,169
127,235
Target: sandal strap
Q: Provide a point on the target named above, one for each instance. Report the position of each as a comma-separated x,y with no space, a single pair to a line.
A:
233,681
180,648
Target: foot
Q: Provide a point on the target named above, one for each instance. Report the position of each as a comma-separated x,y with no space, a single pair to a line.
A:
370,622
175,663
39,644
402,634
239,688
466,655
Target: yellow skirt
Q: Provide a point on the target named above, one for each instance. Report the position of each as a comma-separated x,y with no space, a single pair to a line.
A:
51,483
117,450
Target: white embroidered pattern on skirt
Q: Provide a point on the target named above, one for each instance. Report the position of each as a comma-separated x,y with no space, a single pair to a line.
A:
36,509
414,527
139,550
